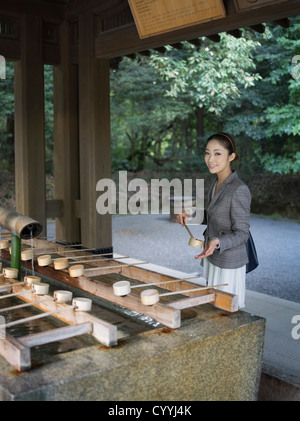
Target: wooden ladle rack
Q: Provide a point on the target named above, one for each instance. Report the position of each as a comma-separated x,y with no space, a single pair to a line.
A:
94,281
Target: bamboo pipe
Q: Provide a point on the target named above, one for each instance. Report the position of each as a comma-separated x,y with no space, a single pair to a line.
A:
23,226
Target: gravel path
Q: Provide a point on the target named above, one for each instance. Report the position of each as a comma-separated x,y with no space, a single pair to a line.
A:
153,238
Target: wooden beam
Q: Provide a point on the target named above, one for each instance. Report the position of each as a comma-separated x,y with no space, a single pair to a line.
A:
53,335
54,208
104,332
17,354
214,38
78,7
193,301
161,50
51,54
196,42
237,33
223,300
285,23
10,49
131,56
108,44
53,11
29,123
162,313
146,53
66,140
258,28
178,46
94,135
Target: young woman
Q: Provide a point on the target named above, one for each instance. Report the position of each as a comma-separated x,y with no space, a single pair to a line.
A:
227,217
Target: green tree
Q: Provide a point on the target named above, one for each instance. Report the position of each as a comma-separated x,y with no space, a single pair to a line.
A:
7,119
267,120
142,117
210,75
159,103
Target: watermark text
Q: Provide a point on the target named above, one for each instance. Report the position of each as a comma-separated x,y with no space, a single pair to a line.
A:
158,196
2,327
295,70
2,68
296,329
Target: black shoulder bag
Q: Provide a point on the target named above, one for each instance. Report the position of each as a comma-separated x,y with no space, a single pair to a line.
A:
252,255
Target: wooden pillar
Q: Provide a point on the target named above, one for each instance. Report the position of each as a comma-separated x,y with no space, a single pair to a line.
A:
66,141
29,123
94,134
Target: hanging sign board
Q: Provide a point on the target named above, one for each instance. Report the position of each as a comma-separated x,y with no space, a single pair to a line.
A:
153,17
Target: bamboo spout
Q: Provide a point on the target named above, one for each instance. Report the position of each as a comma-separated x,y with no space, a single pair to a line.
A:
23,226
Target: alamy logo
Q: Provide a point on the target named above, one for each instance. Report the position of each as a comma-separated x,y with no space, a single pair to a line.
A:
295,71
296,329
153,197
2,327
2,68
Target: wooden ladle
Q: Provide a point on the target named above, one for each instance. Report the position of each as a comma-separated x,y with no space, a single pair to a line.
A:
193,241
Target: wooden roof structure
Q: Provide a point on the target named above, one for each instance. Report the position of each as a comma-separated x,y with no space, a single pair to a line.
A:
81,39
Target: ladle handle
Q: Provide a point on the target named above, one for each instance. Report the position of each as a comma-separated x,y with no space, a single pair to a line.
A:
188,230
38,316
162,282
3,310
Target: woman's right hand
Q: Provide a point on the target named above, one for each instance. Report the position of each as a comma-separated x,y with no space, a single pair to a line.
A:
182,217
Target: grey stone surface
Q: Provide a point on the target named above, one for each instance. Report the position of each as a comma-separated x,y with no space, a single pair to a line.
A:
213,356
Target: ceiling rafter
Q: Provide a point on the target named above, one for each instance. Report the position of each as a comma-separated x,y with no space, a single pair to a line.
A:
118,37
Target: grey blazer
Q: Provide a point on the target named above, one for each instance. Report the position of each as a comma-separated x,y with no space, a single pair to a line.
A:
227,218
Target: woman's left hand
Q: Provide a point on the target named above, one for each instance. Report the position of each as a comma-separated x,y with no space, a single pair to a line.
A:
209,249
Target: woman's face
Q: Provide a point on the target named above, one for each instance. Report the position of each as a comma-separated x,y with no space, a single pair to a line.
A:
217,157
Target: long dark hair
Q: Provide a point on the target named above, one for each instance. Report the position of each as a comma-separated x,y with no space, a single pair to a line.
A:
226,141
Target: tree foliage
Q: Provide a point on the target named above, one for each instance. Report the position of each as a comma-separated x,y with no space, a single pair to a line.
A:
269,116
209,75
159,116
244,86
164,107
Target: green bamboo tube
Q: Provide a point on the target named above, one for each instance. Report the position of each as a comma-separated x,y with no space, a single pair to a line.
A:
16,253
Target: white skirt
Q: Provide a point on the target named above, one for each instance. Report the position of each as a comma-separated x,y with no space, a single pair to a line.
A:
235,278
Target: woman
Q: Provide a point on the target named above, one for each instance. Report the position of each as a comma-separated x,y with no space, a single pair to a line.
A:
227,218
